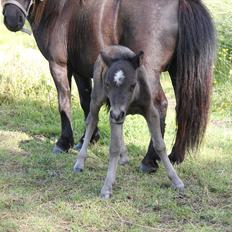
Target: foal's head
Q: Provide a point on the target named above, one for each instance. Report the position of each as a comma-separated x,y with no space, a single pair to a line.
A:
120,84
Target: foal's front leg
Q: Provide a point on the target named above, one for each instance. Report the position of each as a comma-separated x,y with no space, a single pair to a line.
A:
153,121
62,80
97,100
91,123
114,154
84,86
124,159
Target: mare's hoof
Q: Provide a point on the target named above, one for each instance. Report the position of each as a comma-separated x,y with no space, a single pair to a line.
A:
77,169
78,146
57,150
148,169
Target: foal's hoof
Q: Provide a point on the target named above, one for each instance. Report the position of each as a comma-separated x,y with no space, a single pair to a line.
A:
57,150
106,195
179,187
78,146
123,160
148,169
77,169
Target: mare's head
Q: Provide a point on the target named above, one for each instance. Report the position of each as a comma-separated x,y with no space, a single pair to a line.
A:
120,84
15,12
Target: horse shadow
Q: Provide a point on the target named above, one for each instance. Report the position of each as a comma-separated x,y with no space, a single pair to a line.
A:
41,169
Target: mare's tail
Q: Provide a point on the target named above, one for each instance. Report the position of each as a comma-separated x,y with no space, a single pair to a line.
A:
191,75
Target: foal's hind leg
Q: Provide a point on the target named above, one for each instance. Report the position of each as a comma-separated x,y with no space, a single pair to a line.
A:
149,163
84,88
62,79
153,120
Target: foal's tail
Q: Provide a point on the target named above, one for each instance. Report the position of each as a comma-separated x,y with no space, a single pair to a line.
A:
191,75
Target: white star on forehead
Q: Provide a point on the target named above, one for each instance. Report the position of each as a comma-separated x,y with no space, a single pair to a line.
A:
119,77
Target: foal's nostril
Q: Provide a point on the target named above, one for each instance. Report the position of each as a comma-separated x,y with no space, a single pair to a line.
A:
117,117
112,116
121,116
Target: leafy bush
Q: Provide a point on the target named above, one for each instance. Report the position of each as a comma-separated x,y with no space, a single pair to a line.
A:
222,94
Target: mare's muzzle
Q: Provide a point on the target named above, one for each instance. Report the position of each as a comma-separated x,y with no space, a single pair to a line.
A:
14,18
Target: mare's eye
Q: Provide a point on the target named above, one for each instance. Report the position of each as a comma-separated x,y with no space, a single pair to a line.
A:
132,87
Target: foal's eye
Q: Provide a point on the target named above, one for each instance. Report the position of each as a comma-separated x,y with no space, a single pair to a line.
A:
107,85
132,87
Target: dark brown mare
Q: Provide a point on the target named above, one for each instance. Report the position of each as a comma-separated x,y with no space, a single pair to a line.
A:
176,35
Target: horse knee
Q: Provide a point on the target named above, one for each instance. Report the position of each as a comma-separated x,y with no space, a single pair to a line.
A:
114,150
91,119
160,148
164,107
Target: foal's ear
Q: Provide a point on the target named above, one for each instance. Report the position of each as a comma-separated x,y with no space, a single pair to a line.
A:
137,60
106,59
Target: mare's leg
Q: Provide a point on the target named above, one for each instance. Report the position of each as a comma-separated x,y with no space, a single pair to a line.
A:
62,79
149,163
153,120
175,156
84,88
114,154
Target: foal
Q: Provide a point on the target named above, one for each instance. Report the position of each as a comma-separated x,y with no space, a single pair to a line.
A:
120,79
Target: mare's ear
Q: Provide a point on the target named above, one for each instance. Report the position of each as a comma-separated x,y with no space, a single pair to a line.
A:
137,60
106,59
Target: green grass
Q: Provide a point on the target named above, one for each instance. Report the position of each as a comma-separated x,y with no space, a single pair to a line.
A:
39,192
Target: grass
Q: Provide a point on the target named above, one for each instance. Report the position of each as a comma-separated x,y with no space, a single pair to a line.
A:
222,12
38,190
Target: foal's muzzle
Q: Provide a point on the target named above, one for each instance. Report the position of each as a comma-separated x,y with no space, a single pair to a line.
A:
117,117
